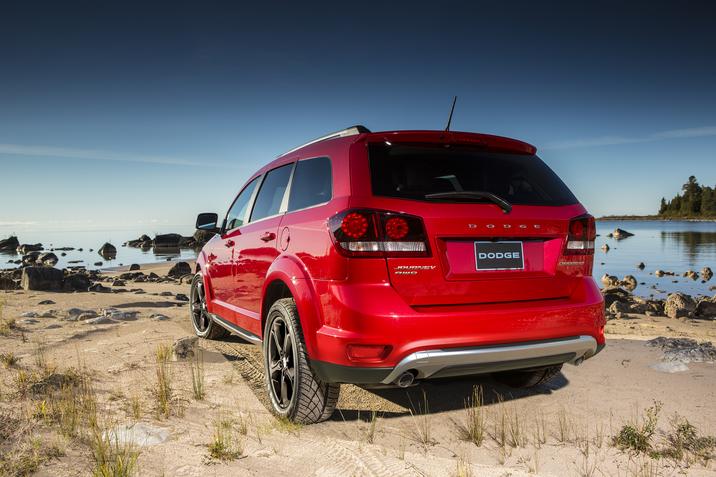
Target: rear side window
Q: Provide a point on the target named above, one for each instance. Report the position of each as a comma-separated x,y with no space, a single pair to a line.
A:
312,183
268,201
237,212
414,171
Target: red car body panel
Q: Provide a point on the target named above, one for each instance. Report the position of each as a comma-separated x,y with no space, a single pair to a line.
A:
407,304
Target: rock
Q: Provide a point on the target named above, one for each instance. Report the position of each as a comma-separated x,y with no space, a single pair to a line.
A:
605,247
46,302
42,278
75,312
179,270
139,434
679,305
659,273
53,326
158,317
629,282
118,283
706,273
98,264
619,307
28,247
9,244
705,309
152,276
30,258
182,297
100,320
133,267
108,251
621,234
641,266
120,315
7,282
184,347
167,241
28,321
615,294
48,314
201,237
47,258
691,274
144,242
99,288
76,282
28,314
166,293
610,280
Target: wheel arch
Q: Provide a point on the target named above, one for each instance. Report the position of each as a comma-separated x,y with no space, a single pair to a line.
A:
288,278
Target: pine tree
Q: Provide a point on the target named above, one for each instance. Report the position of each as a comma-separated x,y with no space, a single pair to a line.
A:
708,202
663,207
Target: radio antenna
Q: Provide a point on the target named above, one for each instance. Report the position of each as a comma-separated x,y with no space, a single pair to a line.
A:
454,100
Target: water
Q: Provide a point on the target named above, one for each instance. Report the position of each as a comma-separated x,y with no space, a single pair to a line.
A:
94,239
670,246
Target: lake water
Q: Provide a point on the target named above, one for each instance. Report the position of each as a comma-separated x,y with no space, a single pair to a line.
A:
670,246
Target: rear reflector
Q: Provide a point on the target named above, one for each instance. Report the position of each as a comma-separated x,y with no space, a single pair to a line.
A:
359,352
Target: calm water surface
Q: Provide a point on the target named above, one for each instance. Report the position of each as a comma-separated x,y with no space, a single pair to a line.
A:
669,246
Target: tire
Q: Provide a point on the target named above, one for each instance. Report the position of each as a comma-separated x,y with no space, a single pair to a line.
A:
527,379
204,326
294,391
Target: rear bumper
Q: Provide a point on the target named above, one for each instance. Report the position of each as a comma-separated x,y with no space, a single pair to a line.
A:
442,363
451,340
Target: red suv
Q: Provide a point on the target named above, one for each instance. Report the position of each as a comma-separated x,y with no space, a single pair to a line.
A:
387,258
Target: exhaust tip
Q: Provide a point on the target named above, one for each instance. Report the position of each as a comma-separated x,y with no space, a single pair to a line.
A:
579,361
405,379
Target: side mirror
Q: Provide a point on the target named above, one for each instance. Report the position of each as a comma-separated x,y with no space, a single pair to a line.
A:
207,221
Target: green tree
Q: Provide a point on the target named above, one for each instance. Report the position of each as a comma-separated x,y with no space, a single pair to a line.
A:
663,207
708,202
691,203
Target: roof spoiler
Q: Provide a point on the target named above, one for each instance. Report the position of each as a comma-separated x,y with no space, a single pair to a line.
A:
351,131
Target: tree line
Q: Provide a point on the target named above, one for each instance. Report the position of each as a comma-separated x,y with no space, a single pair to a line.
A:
694,200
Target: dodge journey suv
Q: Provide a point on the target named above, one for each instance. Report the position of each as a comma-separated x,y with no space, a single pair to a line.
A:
387,258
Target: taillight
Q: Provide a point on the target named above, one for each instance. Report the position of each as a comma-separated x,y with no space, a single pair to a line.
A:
581,235
376,233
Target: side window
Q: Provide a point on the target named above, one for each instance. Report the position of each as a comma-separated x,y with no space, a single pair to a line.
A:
237,213
312,183
268,202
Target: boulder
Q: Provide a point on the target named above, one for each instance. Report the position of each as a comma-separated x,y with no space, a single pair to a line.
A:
28,247
30,258
7,282
706,273
179,270
182,297
619,307
47,258
629,282
76,282
679,305
621,234
118,283
99,288
133,267
615,294
167,241
108,251
144,242
705,309
610,280
641,266
41,278
691,274
9,244
184,347
201,237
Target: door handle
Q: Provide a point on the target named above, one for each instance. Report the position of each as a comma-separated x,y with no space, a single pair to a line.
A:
229,243
268,236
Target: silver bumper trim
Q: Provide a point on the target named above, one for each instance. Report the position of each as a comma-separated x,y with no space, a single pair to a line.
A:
429,362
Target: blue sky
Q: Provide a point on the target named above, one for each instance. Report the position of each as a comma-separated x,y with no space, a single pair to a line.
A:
126,114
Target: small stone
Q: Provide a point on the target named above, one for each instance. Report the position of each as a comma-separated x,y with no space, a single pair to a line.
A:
641,266
46,302
184,347
182,297
28,314
100,320
158,317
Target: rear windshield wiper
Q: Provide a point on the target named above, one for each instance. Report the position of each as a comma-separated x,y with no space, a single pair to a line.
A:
473,194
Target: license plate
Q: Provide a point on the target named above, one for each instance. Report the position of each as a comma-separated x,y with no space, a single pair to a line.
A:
499,256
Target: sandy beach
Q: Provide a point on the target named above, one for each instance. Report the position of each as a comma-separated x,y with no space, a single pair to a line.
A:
565,428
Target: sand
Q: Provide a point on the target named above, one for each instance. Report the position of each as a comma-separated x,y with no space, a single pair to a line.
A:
564,428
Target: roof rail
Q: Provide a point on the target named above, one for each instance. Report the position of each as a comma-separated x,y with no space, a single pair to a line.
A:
351,131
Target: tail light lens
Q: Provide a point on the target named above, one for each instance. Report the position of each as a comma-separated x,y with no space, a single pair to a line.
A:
581,235
375,233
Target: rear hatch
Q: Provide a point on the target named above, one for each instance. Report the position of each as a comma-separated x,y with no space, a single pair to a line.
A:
496,223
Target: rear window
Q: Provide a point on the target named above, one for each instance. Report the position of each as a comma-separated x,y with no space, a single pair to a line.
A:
414,171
